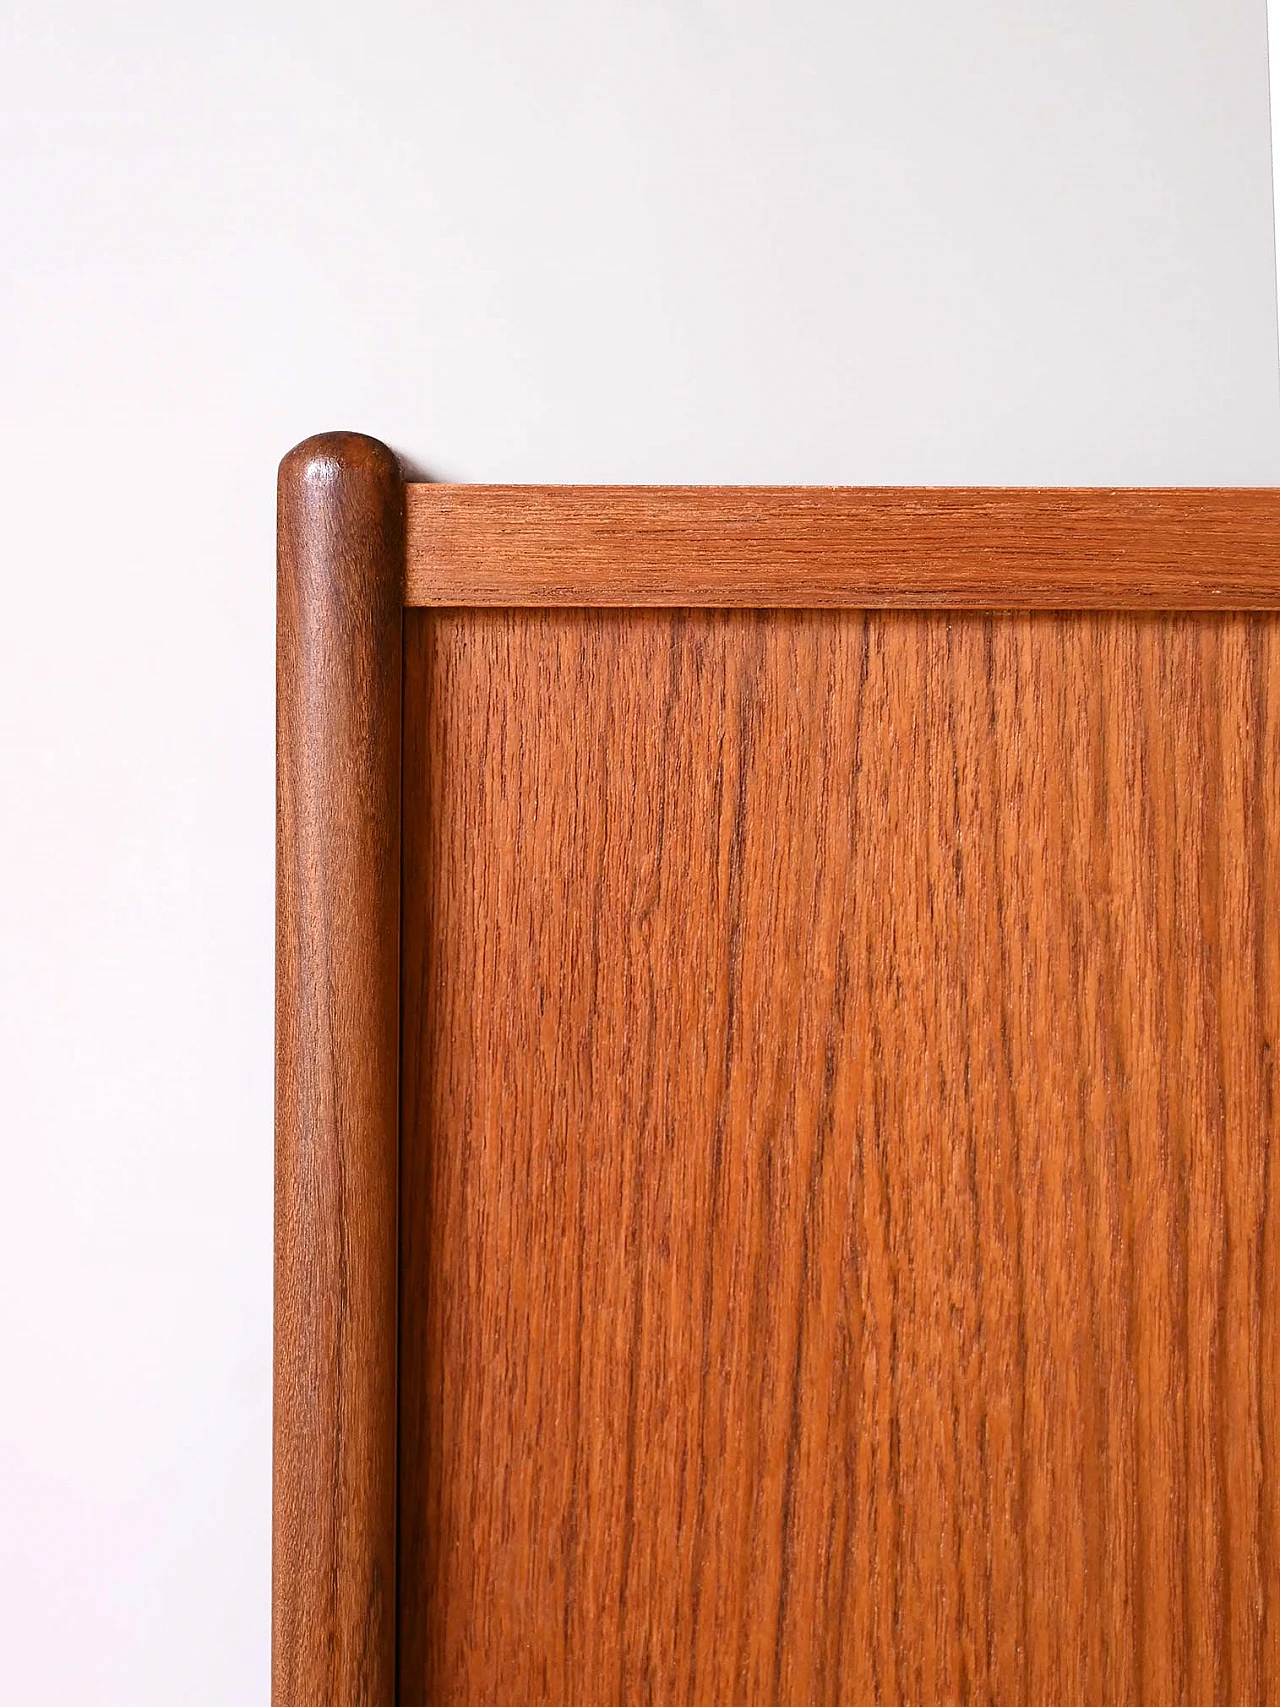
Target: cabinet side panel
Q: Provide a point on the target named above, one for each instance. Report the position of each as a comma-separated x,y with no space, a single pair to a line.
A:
838,1238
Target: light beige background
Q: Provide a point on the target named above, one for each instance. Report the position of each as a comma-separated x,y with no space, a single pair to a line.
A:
961,241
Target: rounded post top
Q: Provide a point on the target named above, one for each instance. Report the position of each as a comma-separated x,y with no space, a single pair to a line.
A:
330,459
341,515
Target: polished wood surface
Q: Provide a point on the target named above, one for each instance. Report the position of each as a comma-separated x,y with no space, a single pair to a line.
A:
839,1248
812,546
337,1043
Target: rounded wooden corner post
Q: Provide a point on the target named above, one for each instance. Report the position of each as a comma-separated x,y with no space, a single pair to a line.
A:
338,688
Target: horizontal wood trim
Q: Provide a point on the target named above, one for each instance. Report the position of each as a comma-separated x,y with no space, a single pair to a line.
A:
813,546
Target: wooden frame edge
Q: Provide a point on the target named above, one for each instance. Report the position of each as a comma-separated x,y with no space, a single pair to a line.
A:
922,548
341,547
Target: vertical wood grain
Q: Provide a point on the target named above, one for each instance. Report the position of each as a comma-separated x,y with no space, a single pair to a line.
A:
341,532
839,1249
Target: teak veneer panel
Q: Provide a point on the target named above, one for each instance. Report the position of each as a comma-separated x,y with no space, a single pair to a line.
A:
806,546
839,1251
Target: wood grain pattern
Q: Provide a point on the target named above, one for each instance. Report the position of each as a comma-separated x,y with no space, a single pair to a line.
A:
337,1050
839,1241
812,546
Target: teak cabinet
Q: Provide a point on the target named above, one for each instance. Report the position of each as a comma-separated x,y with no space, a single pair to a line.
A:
778,1001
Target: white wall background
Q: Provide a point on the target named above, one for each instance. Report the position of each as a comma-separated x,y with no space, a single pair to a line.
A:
948,241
